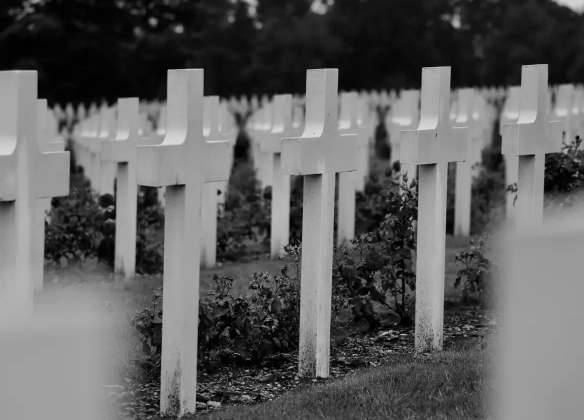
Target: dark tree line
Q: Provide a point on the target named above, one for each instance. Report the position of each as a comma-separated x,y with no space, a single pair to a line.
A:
86,50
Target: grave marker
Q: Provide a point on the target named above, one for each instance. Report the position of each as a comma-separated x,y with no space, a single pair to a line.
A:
106,170
563,112
47,142
121,150
432,146
531,138
348,125
364,121
405,117
463,183
182,163
510,115
318,155
576,117
271,146
26,174
209,195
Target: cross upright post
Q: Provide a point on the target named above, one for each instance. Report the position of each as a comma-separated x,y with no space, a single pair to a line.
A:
210,198
182,163
264,172
406,117
318,155
531,138
107,169
576,113
363,122
348,125
47,142
271,146
122,151
432,146
26,174
510,115
463,184
563,112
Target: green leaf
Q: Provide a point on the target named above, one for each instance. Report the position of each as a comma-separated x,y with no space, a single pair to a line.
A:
276,306
277,342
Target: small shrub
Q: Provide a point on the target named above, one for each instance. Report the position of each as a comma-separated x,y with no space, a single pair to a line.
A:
476,278
244,328
380,266
246,215
564,176
83,226
80,229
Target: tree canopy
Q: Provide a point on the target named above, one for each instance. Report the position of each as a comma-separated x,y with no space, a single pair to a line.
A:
89,50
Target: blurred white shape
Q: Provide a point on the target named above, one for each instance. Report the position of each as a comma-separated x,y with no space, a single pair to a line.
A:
541,349
50,365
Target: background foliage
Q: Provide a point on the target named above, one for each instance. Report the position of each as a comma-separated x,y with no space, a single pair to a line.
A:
89,50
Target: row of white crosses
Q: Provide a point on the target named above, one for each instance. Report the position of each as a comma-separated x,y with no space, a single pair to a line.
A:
185,161
132,130
271,146
569,110
317,155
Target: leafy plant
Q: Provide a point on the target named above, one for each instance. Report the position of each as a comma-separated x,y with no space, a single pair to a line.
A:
242,329
476,277
80,228
245,217
379,266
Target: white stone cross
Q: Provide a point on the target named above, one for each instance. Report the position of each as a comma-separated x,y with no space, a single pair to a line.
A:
318,155
271,146
182,163
107,170
406,117
463,184
432,146
348,125
531,138
47,142
510,115
364,122
264,163
121,150
210,198
576,117
563,112
26,174
86,132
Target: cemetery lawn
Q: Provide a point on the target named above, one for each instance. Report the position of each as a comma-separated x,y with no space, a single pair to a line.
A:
449,385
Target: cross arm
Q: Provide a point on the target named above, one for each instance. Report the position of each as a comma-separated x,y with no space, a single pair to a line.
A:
118,150
514,133
7,177
52,175
346,149
161,165
122,147
428,146
216,161
303,156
